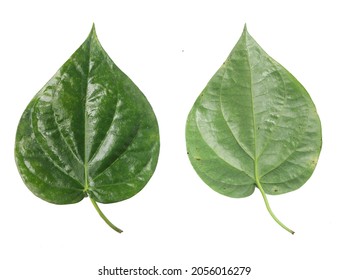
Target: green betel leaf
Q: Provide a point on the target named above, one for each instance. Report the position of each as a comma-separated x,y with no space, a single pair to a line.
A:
254,125
88,132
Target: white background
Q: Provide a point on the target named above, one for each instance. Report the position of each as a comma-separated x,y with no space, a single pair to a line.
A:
170,49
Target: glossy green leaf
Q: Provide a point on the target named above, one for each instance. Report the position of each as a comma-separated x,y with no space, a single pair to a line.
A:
254,125
88,132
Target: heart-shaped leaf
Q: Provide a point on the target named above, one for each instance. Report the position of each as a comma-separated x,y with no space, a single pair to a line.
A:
88,132
254,125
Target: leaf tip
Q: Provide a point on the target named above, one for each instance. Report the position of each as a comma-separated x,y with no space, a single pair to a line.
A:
93,34
93,29
245,30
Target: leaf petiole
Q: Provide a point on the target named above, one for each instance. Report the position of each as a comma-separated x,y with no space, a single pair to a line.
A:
269,208
101,214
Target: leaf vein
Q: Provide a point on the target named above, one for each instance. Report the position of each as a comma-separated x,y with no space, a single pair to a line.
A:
223,116
278,120
57,124
101,144
42,149
123,152
286,159
240,170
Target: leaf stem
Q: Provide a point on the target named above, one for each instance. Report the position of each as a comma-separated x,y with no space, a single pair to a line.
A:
269,208
101,214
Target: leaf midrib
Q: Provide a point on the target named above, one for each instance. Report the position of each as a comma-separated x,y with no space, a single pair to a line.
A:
256,173
85,159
